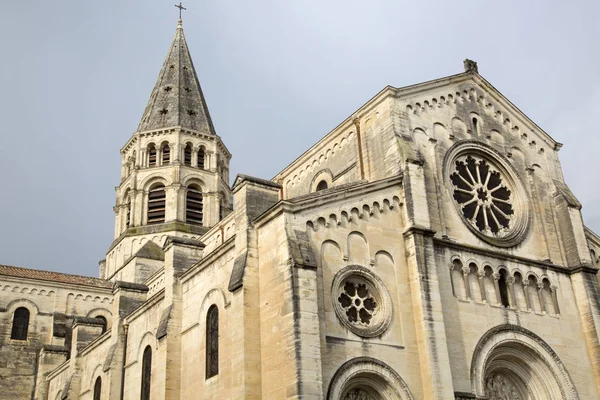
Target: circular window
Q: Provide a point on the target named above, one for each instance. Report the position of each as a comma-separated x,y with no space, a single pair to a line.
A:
361,301
487,193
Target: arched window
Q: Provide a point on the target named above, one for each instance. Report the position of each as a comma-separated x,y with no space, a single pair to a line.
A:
98,389
201,158
156,204
104,323
166,153
151,155
146,373
503,287
322,186
128,216
187,154
475,126
193,205
221,209
212,342
20,324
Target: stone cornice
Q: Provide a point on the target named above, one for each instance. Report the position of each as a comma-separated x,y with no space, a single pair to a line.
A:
60,285
173,226
325,197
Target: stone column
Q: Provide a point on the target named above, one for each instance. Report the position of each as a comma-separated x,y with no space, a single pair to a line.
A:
540,287
510,280
525,283
194,156
465,271
480,277
495,278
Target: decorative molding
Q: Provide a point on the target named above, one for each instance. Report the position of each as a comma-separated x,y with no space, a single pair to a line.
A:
385,379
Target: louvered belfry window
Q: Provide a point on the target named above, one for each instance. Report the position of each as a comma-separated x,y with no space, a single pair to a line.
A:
151,155
201,158
187,154
156,204
194,206
98,389
212,342
146,373
20,324
166,154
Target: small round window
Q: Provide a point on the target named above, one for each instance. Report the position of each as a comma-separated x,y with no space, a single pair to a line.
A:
361,301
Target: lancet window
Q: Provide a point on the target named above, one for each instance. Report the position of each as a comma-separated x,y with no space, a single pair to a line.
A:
212,342
146,373
20,324
98,389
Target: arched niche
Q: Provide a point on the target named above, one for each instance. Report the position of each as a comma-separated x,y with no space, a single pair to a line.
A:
371,378
512,361
358,249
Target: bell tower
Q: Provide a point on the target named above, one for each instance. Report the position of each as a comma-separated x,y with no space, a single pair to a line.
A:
175,170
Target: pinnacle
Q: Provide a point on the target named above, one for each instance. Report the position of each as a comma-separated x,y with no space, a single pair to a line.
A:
177,98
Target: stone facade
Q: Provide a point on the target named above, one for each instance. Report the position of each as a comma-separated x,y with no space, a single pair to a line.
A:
426,248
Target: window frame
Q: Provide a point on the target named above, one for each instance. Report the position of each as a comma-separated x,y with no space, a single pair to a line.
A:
20,331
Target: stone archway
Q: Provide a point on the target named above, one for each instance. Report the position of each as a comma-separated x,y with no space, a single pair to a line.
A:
513,363
365,378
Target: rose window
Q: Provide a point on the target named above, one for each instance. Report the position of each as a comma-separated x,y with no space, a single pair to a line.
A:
358,303
484,199
361,301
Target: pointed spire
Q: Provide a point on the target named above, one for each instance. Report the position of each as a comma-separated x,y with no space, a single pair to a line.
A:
177,98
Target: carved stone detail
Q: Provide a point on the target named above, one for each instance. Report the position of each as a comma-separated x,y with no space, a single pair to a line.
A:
358,394
361,301
498,387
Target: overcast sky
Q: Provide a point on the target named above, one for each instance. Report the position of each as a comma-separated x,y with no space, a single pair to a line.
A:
277,75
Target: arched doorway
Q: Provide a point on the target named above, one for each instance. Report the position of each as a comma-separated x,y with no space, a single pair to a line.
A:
511,362
365,378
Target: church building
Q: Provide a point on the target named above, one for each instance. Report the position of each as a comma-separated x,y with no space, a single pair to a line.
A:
427,248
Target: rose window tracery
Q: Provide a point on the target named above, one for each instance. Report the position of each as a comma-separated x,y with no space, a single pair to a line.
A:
358,303
484,198
361,301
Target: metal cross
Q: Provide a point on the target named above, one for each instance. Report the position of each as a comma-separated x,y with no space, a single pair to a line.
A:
181,7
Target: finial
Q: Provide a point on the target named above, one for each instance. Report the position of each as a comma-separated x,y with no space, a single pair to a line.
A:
470,66
181,8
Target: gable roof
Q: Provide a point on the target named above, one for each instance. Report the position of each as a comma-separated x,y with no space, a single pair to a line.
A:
19,272
470,74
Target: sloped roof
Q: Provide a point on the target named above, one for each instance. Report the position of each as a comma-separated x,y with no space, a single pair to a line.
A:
19,272
177,98
152,251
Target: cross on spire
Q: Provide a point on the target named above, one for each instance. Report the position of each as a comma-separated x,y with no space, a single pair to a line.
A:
181,8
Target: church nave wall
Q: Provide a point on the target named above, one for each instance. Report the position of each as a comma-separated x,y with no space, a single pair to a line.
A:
540,300
205,286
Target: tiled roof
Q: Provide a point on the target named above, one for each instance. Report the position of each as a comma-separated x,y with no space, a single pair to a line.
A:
177,98
18,272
